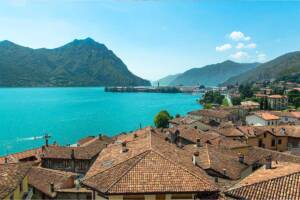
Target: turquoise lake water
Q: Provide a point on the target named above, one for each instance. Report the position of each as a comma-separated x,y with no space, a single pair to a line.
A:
69,114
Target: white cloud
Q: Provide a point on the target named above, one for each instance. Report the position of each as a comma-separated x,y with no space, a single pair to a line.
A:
240,55
239,36
261,57
241,45
224,47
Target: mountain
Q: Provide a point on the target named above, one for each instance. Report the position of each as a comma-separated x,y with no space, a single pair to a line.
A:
212,75
165,81
78,63
287,65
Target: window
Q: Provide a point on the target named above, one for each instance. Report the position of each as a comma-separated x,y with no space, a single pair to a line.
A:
11,197
279,141
265,135
260,143
133,197
182,196
273,143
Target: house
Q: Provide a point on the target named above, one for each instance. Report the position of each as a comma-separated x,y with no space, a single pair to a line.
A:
74,159
147,167
287,117
55,184
262,118
217,115
277,102
250,105
14,180
265,137
24,156
276,180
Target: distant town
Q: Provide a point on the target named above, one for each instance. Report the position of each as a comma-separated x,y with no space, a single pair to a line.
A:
244,144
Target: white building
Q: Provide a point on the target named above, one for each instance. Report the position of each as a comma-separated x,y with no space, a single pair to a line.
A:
262,119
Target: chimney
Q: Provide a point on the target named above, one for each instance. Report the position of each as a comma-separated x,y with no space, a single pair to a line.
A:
216,179
179,143
51,187
195,157
269,162
43,148
100,136
5,160
135,135
224,171
198,142
241,158
73,154
124,147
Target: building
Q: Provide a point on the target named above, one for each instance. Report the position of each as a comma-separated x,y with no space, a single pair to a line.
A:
265,137
287,117
277,102
262,118
74,159
279,138
217,115
147,166
55,184
250,105
14,181
24,156
276,180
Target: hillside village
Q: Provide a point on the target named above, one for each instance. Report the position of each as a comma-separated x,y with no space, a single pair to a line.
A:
224,152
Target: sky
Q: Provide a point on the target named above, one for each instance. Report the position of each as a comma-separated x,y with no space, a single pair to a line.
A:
155,38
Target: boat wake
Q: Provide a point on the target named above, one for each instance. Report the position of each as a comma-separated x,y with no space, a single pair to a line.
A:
30,138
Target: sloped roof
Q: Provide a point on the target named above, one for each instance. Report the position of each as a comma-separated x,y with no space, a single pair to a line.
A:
11,175
220,159
16,157
87,151
217,113
266,115
280,182
150,165
41,179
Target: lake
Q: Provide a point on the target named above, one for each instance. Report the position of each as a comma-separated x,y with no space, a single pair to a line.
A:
69,114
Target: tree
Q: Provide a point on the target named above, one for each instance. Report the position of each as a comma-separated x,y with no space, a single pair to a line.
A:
245,91
294,98
236,101
212,98
161,120
207,106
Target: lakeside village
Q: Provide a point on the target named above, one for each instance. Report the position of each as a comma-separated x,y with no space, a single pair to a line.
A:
242,145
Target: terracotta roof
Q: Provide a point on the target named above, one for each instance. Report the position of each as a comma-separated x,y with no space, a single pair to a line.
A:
279,131
218,159
258,155
266,115
21,156
217,113
280,182
276,96
11,175
41,179
249,103
87,151
292,114
139,169
85,140
230,132
210,137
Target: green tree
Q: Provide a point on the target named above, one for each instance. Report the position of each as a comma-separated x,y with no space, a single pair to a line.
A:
245,91
236,101
212,98
161,120
294,98
207,106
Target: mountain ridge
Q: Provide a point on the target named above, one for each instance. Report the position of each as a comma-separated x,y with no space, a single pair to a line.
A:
277,68
213,74
78,63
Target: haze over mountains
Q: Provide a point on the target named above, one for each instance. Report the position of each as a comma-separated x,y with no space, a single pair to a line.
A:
78,63
210,75
285,67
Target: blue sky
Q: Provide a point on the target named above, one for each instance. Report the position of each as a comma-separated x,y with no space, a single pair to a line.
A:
159,37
